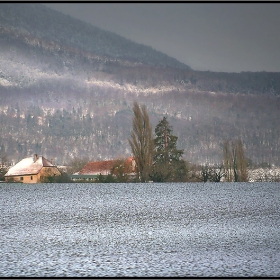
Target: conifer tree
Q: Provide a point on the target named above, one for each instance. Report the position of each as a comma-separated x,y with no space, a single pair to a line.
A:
167,162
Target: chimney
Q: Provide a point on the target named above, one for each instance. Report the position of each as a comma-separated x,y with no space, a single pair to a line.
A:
35,157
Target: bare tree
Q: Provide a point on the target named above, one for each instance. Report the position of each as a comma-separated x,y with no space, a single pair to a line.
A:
120,170
241,162
217,173
228,161
141,141
212,173
205,173
235,162
76,165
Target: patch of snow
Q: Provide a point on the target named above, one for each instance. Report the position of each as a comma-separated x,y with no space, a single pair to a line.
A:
5,82
130,88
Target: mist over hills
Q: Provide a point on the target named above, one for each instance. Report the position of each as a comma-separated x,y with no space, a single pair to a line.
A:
66,90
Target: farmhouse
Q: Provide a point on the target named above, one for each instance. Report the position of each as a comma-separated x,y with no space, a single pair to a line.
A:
92,170
32,170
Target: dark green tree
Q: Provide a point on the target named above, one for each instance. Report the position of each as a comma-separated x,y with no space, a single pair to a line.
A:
4,162
106,179
168,164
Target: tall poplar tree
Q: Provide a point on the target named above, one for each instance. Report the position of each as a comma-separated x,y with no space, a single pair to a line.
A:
228,161
235,162
167,162
141,142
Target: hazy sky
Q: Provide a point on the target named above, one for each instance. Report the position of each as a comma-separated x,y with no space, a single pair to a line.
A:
226,37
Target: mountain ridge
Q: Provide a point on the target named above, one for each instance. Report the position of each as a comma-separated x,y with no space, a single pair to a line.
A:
48,24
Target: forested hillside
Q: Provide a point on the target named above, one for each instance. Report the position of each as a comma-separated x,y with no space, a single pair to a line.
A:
39,25
67,88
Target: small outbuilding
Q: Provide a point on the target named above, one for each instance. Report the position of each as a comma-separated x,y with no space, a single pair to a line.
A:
34,169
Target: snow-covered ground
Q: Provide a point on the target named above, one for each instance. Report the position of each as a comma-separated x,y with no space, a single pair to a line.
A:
222,229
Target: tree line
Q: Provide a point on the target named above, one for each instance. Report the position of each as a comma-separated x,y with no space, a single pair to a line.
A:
159,160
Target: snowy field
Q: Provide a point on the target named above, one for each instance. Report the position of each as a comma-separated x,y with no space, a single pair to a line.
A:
152,230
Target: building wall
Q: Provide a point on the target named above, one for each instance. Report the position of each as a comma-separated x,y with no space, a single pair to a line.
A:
23,179
45,172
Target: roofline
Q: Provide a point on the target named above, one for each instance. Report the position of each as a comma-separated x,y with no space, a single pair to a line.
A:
27,174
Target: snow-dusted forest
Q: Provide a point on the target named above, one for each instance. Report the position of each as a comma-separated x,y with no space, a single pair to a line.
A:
68,94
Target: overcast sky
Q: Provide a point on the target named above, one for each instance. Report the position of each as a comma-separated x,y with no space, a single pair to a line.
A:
231,37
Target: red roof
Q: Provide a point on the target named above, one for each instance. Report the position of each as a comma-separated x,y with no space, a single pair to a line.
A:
104,167
94,168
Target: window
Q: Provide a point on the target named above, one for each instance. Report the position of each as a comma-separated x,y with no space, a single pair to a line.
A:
21,178
31,177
